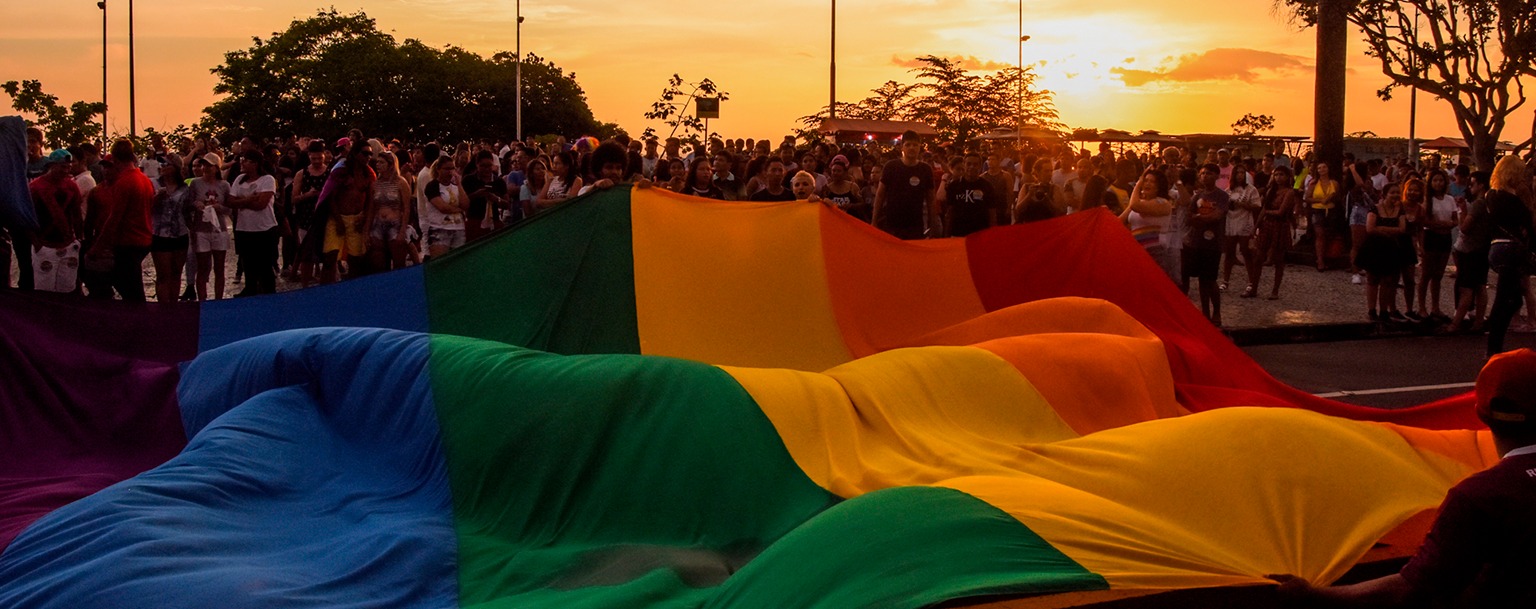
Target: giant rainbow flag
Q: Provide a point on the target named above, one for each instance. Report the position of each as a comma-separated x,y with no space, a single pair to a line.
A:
641,399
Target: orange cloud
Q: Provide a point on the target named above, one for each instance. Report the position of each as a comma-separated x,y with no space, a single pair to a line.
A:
1245,65
969,62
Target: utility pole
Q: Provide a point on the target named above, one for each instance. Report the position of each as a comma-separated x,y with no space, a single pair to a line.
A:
832,103
102,4
1413,98
133,122
519,94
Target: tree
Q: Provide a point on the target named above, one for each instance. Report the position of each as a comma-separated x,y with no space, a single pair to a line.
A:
957,103
672,107
1251,124
1469,53
62,126
332,72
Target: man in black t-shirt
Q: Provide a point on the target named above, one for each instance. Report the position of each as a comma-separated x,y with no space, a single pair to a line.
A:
1481,551
487,194
904,199
773,177
968,200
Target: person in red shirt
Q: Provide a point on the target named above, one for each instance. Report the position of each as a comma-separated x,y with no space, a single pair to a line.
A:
126,200
1479,553
60,213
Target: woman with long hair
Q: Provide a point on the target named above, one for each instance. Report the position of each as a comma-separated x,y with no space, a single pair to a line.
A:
1242,218
1321,196
564,181
171,216
701,180
1147,214
1439,217
1510,218
253,195
1272,232
1381,260
210,238
387,244
444,218
537,176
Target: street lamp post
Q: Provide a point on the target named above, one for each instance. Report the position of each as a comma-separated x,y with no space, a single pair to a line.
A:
832,91
519,94
1018,118
133,123
102,4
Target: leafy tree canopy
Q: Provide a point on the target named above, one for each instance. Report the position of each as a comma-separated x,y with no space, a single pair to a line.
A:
1251,124
333,72
958,103
1469,53
62,126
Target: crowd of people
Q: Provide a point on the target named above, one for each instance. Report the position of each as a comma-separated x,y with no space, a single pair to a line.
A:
317,211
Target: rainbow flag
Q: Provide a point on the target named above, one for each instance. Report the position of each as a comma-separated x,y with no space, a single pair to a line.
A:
643,399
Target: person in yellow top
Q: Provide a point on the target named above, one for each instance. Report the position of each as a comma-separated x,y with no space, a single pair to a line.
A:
1321,195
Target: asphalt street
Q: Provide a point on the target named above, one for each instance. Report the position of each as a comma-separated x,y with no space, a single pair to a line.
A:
1387,372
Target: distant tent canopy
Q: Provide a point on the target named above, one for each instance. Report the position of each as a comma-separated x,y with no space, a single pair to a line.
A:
1120,136
1029,132
1451,143
852,130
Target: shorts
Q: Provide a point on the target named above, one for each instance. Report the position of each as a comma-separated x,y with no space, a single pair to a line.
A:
1317,219
1201,263
169,244
210,241
1358,215
1471,270
345,235
55,271
452,238
385,230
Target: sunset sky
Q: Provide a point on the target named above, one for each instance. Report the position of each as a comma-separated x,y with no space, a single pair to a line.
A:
1113,63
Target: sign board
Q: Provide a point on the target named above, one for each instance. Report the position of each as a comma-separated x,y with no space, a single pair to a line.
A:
708,107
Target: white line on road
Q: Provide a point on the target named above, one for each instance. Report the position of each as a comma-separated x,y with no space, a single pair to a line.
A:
1345,394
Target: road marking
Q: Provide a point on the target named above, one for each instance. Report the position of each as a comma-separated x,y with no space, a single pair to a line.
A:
1345,394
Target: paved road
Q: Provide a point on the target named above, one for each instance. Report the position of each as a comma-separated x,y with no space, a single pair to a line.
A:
1382,364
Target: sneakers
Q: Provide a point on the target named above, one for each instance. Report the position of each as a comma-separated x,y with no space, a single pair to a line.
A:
1414,316
1373,315
1394,315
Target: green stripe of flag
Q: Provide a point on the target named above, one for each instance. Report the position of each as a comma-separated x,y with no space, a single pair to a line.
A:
563,282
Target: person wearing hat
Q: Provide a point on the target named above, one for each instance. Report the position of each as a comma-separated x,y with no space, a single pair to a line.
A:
1479,552
61,220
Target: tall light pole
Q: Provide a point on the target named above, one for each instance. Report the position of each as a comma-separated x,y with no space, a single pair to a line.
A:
102,4
1413,98
133,123
519,94
1018,117
832,91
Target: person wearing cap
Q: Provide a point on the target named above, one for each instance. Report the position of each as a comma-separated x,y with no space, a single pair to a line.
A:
61,220
1479,553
